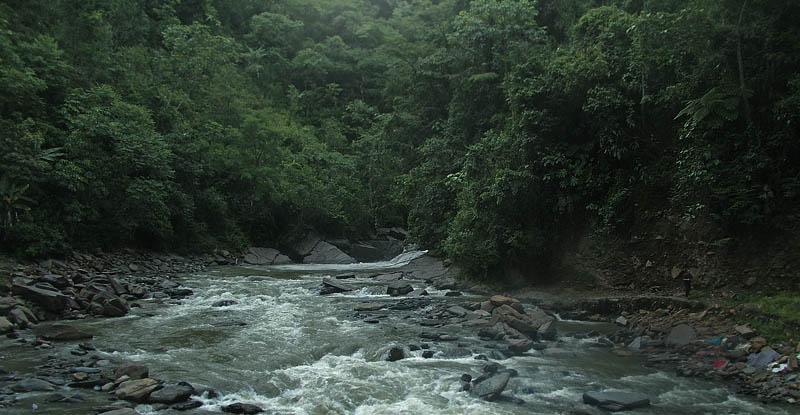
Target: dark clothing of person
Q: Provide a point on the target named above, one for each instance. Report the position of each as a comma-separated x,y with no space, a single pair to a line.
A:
687,281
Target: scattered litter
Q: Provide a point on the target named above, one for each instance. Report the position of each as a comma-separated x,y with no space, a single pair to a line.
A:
780,368
716,340
719,364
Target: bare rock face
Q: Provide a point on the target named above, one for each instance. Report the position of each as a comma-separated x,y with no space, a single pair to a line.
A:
325,253
261,256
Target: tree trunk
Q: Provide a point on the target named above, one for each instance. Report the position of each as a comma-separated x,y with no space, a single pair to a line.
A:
742,86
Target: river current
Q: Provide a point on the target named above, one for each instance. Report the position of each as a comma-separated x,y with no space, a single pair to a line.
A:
283,347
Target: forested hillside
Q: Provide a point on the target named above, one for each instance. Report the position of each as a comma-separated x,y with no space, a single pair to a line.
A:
492,129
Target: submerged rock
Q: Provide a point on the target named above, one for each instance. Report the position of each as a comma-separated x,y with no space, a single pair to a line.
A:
242,408
63,332
616,401
395,353
332,287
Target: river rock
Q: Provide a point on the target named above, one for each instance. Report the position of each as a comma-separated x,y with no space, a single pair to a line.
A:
457,311
242,408
57,281
172,393
395,353
50,300
325,253
398,288
113,306
763,358
417,293
370,307
281,260
223,303
22,317
136,390
616,401
121,411
389,277
681,335
118,288
33,385
330,286
499,300
134,370
62,332
5,325
260,256
305,246
7,304
490,388
519,346
745,331
547,331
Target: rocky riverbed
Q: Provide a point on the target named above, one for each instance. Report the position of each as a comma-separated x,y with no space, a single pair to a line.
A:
423,294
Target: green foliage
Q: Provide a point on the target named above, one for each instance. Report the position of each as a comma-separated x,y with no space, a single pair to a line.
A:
490,128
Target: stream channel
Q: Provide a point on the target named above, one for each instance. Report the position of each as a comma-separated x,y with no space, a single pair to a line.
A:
289,350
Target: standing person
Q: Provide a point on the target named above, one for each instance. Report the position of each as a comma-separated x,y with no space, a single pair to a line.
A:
687,281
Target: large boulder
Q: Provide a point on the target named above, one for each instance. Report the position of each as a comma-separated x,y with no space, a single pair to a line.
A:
490,388
616,401
50,300
681,335
307,245
375,250
137,390
325,253
260,256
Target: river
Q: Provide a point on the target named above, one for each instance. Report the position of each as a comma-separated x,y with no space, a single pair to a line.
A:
287,349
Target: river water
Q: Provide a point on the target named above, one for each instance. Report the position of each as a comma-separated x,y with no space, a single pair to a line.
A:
287,349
